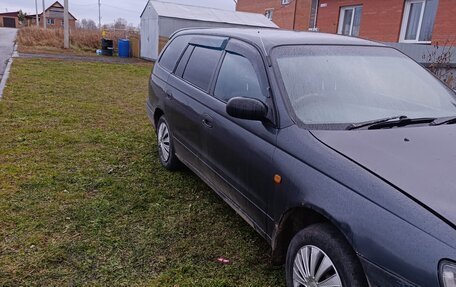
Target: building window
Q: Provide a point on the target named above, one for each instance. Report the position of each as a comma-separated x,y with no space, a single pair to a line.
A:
50,21
313,15
269,13
350,20
285,2
418,21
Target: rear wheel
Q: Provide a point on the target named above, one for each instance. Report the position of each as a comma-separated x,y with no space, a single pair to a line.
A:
318,256
166,152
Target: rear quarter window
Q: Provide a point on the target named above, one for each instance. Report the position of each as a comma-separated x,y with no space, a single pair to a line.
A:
171,55
201,67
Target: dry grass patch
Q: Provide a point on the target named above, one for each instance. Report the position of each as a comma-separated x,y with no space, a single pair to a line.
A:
52,39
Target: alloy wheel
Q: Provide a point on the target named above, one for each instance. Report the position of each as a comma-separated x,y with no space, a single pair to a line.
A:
313,268
164,142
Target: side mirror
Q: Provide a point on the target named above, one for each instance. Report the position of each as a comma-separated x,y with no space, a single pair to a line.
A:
247,109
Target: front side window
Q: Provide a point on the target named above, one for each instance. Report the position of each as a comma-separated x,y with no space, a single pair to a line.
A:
418,21
237,78
201,67
350,20
345,85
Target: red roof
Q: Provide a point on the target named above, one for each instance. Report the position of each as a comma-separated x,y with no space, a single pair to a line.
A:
11,14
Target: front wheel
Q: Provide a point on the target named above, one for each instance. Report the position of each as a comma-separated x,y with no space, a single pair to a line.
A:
318,256
167,155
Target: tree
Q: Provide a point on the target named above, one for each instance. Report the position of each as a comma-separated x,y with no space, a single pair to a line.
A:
439,60
21,16
120,24
87,24
91,25
82,24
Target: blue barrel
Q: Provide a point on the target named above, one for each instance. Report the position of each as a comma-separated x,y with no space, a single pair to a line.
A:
124,48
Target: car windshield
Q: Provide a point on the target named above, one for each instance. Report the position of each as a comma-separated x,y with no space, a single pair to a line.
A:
352,84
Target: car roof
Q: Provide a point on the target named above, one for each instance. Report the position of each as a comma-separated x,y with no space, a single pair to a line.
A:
270,38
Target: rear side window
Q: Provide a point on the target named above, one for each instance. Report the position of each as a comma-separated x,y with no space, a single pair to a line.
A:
173,52
237,78
201,66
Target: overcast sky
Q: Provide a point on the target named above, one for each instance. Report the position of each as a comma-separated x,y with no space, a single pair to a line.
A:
110,9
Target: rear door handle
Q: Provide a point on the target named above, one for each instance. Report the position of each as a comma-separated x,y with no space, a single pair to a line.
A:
207,121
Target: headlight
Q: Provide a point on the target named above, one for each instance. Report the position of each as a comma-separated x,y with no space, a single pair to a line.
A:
448,274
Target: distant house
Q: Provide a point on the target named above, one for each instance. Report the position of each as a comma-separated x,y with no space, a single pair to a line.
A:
54,17
9,19
160,20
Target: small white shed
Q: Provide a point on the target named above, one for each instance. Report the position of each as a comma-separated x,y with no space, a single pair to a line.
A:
160,20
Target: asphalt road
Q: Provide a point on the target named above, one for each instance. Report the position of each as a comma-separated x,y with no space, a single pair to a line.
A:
7,38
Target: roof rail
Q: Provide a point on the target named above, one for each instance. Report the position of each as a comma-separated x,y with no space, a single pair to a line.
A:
185,29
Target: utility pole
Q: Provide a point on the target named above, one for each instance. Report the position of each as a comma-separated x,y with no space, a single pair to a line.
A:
99,14
44,16
66,24
37,18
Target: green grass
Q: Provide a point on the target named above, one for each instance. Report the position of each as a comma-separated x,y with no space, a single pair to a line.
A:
84,201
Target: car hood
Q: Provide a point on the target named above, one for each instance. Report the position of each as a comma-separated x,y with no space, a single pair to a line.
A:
420,161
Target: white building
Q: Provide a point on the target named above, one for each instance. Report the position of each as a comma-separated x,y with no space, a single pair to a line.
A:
160,20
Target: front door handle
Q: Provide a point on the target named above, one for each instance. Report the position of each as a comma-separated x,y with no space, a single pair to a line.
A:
207,121
169,95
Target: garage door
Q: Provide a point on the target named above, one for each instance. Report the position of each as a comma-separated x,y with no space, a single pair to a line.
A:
9,22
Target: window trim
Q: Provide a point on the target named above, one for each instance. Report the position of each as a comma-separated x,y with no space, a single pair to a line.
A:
342,18
405,18
50,21
285,2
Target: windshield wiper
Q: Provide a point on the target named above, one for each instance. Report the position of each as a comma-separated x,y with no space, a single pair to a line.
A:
373,122
398,121
444,121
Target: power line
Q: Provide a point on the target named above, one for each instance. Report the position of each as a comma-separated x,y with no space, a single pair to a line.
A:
120,8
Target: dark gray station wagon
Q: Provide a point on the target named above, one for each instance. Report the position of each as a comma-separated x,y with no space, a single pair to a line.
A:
340,152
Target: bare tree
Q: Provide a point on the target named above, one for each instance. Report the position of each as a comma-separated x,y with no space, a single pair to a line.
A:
82,24
91,25
87,24
439,60
120,24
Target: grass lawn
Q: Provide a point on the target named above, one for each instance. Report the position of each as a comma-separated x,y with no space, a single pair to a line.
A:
84,201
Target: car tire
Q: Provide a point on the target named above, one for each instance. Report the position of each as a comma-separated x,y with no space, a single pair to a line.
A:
328,251
165,145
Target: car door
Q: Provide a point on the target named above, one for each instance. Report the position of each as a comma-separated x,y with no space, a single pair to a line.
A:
188,87
241,151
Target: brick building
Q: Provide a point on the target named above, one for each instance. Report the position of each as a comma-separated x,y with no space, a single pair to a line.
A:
287,14
404,21
54,17
10,20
